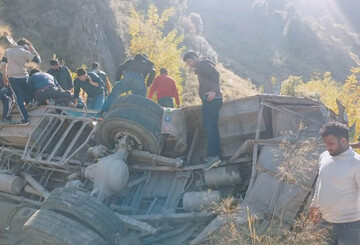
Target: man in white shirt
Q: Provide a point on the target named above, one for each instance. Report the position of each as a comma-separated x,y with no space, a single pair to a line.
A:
337,194
13,67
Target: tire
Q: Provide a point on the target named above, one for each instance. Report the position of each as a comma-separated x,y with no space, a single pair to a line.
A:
47,227
142,126
139,101
87,210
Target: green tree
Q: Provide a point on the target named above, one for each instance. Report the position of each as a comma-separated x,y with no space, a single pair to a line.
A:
147,36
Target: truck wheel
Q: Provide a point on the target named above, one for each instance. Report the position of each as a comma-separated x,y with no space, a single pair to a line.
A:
47,227
87,210
140,125
139,101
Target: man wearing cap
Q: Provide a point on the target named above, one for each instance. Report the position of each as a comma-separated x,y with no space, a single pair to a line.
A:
61,74
165,89
96,69
13,66
132,76
93,85
211,97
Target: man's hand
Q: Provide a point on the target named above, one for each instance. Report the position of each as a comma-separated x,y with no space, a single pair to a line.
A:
314,215
211,95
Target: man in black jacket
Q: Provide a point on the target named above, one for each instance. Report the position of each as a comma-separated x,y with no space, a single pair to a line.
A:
93,85
132,76
61,74
96,69
211,97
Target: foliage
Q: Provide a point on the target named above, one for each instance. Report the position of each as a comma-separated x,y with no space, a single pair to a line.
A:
327,91
147,37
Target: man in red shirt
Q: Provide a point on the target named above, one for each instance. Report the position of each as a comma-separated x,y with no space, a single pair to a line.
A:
165,89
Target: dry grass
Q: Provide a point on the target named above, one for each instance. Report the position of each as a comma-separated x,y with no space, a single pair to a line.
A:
298,157
233,87
4,31
269,232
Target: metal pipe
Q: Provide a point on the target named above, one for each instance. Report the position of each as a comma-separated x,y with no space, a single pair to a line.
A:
30,180
21,199
31,190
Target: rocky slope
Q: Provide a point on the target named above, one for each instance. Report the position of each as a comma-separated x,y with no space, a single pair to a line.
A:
78,32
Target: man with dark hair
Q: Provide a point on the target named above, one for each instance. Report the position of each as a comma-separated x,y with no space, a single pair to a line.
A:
13,66
93,85
5,97
96,69
61,74
165,89
43,87
211,96
337,193
132,76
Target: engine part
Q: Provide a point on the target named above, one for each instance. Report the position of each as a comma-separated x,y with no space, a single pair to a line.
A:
198,201
31,190
110,175
223,176
174,127
39,188
11,184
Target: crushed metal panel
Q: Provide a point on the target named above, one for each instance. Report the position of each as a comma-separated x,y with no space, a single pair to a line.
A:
281,120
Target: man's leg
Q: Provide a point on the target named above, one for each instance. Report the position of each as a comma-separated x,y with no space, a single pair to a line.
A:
40,97
210,112
6,101
59,95
95,103
119,88
90,103
17,84
138,86
347,233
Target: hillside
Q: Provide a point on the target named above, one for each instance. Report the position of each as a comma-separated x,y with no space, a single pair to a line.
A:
263,39
79,33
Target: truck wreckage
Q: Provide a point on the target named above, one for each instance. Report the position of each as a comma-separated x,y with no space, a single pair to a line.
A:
137,176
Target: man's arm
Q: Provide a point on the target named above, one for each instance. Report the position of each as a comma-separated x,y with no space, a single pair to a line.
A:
120,70
151,76
207,69
153,89
68,77
3,66
108,85
36,57
314,210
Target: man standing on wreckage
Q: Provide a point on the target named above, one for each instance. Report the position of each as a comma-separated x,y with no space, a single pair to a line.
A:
211,97
132,76
337,193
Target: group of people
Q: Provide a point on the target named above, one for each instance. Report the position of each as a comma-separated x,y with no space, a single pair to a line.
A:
55,87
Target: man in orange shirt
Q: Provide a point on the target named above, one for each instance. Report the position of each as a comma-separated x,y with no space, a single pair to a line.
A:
165,89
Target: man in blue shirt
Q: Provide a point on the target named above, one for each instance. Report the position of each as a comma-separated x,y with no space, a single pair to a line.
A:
43,87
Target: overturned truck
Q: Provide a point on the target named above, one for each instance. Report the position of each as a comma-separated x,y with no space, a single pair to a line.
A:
138,175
